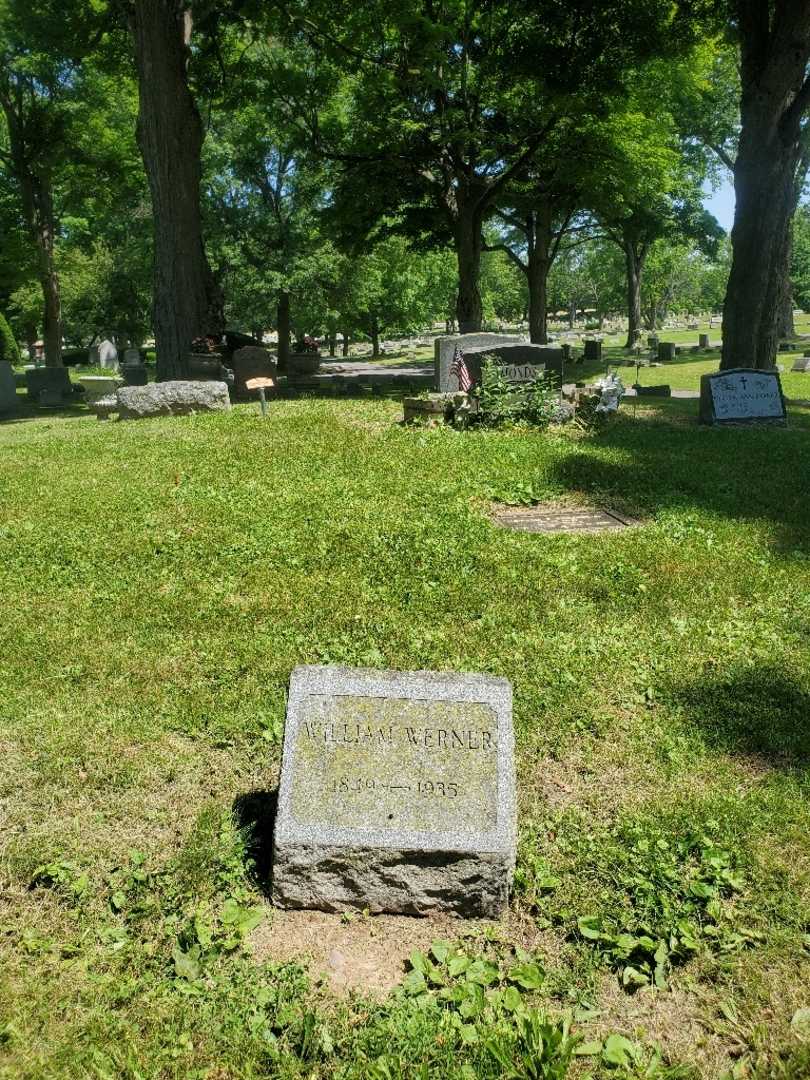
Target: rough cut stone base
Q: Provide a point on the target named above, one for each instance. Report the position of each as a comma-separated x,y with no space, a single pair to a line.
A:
176,398
387,880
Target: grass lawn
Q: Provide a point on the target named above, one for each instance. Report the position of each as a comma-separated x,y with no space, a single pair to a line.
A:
160,579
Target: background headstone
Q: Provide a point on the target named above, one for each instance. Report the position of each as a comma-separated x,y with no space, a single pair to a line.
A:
131,357
251,362
742,396
667,350
8,388
703,341
444,347
593,349
108,355
52,381
397,793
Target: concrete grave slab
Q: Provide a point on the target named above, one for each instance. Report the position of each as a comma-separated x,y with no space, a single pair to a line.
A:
397,793
545,519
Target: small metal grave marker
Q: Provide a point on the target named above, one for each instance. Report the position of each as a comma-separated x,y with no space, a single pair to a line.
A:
261,383
397,792
540,519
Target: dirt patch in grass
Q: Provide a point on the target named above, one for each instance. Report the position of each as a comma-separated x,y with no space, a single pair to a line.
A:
369,953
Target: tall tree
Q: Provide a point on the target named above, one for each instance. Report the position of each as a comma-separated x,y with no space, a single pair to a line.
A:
450,100
187,300
774,37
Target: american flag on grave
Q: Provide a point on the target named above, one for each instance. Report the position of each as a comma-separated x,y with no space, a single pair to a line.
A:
461,371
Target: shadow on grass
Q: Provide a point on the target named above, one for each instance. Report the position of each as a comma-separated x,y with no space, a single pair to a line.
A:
255,816
741,473
762,712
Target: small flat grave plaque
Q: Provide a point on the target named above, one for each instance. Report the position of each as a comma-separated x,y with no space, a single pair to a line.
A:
397,793
539,519
742,396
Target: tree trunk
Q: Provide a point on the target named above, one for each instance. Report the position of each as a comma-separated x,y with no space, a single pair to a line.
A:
763,184
634,256
36,195
774,52
332,344
345,349
469,311
375,336
538,264
187,302
283,319
785,326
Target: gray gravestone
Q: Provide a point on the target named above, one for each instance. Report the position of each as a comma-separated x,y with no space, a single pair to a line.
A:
742,396
802,363
667,350
108,355
518,363
397,793
445,347
8,388
703,341
53,382
593,349
132,357
174,398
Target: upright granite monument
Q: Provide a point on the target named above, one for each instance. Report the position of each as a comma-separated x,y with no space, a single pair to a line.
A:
397,793
444,349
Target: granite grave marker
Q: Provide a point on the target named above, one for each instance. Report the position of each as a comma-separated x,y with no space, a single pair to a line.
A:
397,793
444,348
742,396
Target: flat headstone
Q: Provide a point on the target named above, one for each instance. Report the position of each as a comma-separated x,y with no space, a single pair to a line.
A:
539,519
742,396
444,348
802,363
397,793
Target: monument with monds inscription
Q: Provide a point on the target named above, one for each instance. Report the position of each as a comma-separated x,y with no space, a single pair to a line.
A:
397,793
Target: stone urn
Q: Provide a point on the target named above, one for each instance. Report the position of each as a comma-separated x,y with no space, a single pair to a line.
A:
99,386
302,364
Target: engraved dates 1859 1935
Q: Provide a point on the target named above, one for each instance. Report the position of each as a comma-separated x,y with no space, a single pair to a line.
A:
397,792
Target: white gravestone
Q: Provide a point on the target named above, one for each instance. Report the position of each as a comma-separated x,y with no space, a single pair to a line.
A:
742,396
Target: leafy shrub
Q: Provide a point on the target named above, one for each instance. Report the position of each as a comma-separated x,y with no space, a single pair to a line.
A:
501,402
8,343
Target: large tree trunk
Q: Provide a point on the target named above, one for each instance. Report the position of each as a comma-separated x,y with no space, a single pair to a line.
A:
785,326
36,194
634,256
763,185
187,302
283,328
469,310
538,264
375,336
774,52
